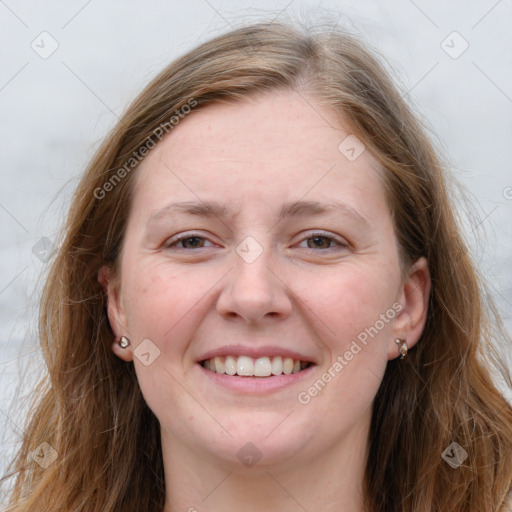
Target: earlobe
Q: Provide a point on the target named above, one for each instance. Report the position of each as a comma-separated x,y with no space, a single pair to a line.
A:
114,312
110,289
415,294
124,352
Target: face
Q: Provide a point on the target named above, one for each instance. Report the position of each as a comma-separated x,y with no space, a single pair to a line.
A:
260,283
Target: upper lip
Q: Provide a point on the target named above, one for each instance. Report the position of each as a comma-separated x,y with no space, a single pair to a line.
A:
255,352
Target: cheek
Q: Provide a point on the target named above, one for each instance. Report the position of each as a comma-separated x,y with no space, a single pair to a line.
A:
352,299
154,301
357,315
149,300
162,303
159,304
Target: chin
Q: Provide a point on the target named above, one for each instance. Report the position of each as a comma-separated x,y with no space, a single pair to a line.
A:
260,445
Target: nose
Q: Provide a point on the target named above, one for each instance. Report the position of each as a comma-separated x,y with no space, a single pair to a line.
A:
254,292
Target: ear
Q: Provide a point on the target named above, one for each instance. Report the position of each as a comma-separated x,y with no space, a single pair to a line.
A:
414,297
115,310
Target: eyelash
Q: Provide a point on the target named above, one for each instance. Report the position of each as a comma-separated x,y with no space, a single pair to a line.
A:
341,244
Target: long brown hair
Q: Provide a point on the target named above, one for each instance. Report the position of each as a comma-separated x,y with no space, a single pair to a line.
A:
90,409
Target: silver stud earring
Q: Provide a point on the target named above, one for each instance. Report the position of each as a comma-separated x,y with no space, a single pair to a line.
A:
402,347
124,342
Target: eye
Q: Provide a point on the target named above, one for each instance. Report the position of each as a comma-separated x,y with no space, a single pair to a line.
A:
187,241
190,241
323,241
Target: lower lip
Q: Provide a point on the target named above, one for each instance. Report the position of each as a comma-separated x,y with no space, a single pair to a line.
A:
256,385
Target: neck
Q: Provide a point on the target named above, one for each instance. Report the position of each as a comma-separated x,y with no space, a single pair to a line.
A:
329,481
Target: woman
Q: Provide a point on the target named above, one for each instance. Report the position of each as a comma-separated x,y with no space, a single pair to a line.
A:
262,301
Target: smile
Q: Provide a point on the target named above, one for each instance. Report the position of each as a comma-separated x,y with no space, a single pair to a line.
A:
245,366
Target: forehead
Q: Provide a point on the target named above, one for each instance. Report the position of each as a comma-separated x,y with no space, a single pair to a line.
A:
273,147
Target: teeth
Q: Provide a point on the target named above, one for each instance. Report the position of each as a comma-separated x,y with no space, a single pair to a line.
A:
254,367
229,365
262,367
277,366
219,365
287,365
245,366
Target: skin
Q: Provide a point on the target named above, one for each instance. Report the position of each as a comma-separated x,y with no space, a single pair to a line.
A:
304,294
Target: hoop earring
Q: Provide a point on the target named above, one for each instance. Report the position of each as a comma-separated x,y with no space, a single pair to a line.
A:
124,342
402,347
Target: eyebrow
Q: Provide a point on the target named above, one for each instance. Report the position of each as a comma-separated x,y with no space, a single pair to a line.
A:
291,209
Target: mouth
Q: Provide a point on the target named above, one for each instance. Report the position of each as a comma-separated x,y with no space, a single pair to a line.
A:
246,366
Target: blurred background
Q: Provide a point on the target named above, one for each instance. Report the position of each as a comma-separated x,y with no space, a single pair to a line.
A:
70,68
